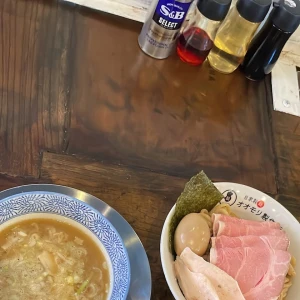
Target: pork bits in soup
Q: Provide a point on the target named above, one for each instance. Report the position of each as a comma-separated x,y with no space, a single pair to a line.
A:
48,259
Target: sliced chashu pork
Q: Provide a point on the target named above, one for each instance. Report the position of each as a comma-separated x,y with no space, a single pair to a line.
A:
235,229
199,279
277,243
224,218
259,271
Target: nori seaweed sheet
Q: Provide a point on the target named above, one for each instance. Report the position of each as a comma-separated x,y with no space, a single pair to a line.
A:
199,193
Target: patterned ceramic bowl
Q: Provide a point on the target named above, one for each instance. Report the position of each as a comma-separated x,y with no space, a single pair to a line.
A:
247,203
48,205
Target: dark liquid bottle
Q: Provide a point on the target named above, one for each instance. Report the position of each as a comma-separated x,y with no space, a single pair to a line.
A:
265,49
193,46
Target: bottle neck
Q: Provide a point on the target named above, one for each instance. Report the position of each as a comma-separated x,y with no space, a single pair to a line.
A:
277,35
207,25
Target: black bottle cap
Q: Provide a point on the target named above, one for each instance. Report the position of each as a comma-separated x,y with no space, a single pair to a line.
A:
215,10
253,10
286,15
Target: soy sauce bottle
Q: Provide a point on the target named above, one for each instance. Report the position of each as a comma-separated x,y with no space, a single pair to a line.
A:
266,47
196,40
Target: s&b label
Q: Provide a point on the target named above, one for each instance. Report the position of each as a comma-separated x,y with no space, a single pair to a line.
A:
170,14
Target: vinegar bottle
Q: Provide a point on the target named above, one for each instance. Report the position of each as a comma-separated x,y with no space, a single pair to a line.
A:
196,40
235,34
268,43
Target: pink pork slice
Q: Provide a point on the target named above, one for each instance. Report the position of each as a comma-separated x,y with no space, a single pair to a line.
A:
241,222
234,230
200,279
277,243
260,272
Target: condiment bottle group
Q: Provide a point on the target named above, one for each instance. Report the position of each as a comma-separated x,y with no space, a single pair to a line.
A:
224,43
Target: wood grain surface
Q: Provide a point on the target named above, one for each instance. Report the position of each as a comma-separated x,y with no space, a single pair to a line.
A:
82,106
36,39
164,115
286,137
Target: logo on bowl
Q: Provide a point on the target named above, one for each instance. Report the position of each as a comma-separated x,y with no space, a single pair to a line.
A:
260,204
230,197
247,203
255,207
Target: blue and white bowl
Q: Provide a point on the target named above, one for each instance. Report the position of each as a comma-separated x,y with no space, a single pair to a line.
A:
50,205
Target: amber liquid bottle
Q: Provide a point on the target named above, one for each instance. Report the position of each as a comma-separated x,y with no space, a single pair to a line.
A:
231,43
235,33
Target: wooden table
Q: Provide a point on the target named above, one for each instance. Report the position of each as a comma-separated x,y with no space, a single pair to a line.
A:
82,106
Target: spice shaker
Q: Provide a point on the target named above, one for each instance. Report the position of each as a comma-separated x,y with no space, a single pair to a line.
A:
160,31
266,47
235,33
196,40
